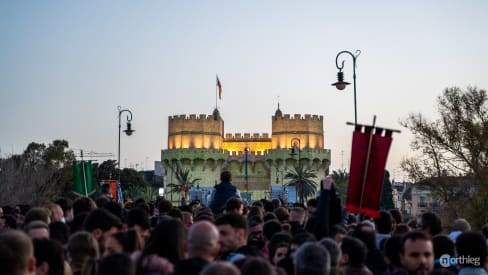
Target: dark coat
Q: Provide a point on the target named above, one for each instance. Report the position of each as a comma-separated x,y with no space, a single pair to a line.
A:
223,192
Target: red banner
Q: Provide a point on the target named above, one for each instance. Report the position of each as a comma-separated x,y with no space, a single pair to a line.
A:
366,200
113,188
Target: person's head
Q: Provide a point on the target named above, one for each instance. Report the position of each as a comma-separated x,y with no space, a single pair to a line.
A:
297,214
37,230
234,205
256,211
311,207
384,224
221,268
57,214
270,228
299,239
233,232
257,265
226,176
16,254
67,206
82,246
38,214
366,236
461,225
83,205
416,253
354,252
443,245
106,189
101,223
312,259
49,257
116,264
472,245
123,242
138,219
401,229
333,249
255,236
164,206
396,215
338,232
282,214
203,240
430,224
167,240
391,252
279,247
7,222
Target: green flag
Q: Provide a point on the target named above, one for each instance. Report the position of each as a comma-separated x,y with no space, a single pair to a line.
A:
83,178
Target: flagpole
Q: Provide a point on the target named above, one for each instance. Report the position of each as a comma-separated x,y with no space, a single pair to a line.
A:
216,90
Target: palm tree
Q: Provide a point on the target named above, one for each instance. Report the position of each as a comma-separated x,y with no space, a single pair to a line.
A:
185,182
302,179
341,178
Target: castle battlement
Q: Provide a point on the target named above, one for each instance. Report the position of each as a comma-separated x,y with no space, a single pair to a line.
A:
246,136
194,117
295,117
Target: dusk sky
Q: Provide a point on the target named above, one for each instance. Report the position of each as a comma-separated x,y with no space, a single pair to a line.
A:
65,66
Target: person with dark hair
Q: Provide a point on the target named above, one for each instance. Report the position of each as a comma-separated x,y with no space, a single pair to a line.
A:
105,192
234,205
126,242
270,228
416,253
203,247
430,224
83,205
176,213
311,207
101,223
299,239
233,238
49,257
312,259
443,246
471,253
354,253
67,207
338,232
279,247
164,207
7,222
16,254
222,192
374,258
383,226
59,232
396,215
138,219
282,214
256,236
116,264
167,240
392,254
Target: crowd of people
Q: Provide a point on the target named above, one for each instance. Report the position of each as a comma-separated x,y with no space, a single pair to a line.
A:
101,237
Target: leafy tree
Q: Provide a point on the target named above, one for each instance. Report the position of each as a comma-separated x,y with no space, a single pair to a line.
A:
341,179
40,174
386,201
455,144
185,182
302,179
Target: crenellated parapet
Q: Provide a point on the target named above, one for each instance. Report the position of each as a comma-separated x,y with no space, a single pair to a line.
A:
195,131
309,129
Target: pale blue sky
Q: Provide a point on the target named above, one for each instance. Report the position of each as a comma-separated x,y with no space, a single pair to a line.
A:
66,65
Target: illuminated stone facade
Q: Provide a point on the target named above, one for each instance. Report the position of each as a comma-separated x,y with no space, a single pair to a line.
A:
198,143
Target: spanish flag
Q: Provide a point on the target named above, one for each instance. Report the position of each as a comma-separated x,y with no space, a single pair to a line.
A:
219,87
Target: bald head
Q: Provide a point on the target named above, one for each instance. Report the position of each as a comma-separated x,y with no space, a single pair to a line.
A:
203,240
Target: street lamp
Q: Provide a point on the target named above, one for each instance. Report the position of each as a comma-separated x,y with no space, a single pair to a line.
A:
128,131
246,188
341,84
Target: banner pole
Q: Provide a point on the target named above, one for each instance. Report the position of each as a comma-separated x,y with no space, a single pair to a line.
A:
370,143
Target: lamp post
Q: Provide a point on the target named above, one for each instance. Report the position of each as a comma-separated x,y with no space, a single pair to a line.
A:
127,131
246,187
341,84
294,149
